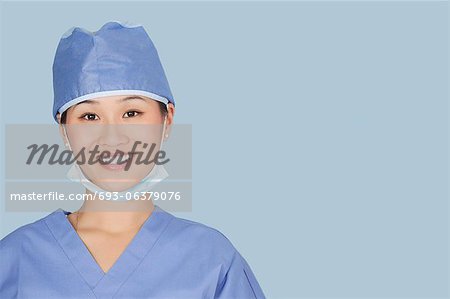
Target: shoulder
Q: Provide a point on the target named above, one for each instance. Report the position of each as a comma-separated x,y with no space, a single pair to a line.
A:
197,239
24,235
200,234
24,240
235,278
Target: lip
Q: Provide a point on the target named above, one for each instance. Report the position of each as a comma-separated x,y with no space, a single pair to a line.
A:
114,167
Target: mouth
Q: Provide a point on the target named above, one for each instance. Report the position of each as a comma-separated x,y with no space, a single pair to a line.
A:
117,159
117,162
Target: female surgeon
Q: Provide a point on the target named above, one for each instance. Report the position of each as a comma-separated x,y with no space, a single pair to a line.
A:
110,90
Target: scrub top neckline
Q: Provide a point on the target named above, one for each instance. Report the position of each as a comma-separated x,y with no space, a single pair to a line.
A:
67,213
101,283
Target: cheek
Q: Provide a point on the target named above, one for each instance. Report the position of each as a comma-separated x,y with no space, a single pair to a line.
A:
145,133
152,117
81,137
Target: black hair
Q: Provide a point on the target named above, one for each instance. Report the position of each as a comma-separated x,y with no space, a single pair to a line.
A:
162,109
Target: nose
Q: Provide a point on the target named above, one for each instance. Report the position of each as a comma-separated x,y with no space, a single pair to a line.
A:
112,136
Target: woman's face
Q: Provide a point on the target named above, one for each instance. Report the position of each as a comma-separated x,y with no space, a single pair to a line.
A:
113,124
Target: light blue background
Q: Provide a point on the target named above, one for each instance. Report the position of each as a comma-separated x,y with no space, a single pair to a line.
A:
320,130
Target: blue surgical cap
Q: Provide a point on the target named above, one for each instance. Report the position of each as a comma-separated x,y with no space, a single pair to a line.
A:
118,59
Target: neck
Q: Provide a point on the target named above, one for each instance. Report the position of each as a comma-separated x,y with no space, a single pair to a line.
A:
113,216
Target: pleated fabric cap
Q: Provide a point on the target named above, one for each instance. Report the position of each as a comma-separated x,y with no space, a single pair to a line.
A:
118,59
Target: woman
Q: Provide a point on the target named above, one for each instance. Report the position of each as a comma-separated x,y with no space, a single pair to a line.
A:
111,91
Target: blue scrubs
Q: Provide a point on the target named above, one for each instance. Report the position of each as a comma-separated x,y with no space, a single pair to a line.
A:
169,257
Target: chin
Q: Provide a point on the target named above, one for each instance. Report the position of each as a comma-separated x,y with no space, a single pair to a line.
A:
116,186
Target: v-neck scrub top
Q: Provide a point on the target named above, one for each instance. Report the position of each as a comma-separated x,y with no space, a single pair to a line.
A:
169,257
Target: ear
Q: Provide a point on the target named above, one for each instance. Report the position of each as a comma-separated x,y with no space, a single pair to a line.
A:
169,120
61,130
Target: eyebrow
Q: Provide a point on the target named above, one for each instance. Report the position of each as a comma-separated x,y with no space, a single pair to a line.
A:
85,102
133,98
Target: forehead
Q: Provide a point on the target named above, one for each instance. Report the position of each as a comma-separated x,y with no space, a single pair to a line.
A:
116,99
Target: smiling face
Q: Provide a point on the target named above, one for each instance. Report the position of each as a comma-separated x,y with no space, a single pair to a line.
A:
127,124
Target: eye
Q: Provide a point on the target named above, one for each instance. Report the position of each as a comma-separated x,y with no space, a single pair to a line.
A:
89,116
131,113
